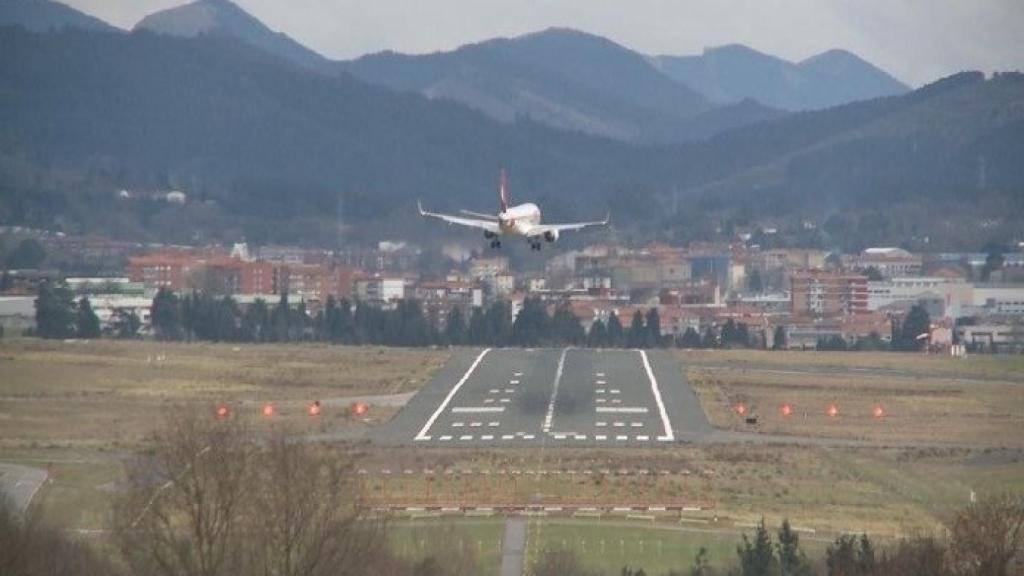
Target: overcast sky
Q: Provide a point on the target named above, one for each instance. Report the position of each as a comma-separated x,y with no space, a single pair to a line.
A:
915,40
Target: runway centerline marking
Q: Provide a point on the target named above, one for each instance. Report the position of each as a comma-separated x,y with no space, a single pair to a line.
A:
451,394
554,391
477,409
669,435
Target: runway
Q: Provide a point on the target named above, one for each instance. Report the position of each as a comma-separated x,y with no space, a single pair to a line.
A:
567,396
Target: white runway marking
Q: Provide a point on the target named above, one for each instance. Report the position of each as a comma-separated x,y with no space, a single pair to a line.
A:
622,437
622,409
599,391
601,382
669,434
513,381
452,393
643,438
600,437
509,391
581,436
554,391
488,400
528,436
487,437
477,409
494,424
616,401
504,400
475,424
493,391
424,438
445,438
507,437
559,436
637,424
457,424
614,390
601,400
517,374
466,437
618,424
600,424
599,374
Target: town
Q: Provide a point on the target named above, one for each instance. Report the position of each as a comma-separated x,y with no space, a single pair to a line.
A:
704,295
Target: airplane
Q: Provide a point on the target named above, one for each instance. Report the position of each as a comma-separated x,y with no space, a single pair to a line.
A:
521,220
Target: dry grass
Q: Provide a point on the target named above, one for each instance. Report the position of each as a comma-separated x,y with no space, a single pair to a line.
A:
109,394
926,407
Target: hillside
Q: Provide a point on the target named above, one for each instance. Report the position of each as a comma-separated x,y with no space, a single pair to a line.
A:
271,151
43,15
224,18
736,72
559,77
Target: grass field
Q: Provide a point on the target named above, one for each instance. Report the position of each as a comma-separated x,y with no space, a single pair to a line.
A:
109,394
977,401
81,408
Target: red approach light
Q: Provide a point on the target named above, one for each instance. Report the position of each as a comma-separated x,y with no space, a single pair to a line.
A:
786,410
878,412
740,409
359,409
268,410
832,411
314,408
222,411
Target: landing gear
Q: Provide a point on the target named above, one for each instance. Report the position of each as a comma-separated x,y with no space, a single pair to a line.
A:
535,246
495,244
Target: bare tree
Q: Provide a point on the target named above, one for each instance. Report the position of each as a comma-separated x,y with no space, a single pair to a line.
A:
181,512
28,548
308,519
987,536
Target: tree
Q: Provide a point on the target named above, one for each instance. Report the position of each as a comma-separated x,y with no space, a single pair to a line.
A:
476,334
559,563
792,561
565,327
126,323
757,557
637,335
654,338
598,335
281,322
166,315
6,282
499,322
987,536
255,322
906,336
55,311
779,338
994,260
849,555
690,338
616,337
531,326
29,253
87,324
873,274
455,327
710,339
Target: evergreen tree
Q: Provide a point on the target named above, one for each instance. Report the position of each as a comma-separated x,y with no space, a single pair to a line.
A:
754,283
166,315
126,324
281,322
455,327
757,557
29,253
477,333
531,327
637,335
616,337
499,323
779,338
710,339
654,338
690,339
915,324
55,312
729,333
792,561
87,324
597,337
850,556
565,327
6,282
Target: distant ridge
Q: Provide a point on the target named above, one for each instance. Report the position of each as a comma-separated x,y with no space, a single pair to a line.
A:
225,18
43,15
734,72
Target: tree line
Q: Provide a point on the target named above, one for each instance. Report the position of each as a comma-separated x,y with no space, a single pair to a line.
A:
203,317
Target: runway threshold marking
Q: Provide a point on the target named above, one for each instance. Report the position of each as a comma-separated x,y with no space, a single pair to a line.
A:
622,409
669,434
477,409
554,391
451,394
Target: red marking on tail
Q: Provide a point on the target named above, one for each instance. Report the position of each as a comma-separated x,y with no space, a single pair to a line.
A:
503,191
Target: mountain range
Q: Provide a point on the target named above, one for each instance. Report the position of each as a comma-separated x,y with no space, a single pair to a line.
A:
735,72
271,149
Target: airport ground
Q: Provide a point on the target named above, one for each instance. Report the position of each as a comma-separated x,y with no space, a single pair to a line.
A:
949,427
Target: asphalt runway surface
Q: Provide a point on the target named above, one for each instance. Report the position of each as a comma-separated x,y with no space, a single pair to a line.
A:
20,484
566,396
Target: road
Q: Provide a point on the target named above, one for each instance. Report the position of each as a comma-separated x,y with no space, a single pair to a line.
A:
20,484
564,396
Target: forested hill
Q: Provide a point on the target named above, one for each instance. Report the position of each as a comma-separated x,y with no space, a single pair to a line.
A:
273,151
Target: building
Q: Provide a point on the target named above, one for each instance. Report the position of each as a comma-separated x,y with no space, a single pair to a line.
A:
889,262
897,292
380,290
824,294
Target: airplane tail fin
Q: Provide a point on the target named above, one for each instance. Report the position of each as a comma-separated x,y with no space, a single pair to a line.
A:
503,198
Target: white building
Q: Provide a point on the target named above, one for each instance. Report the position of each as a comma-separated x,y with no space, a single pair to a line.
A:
380,290
886,293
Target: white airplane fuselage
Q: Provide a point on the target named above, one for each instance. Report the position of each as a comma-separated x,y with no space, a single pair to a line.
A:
518,220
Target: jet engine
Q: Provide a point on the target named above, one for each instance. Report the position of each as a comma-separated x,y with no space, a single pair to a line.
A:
551,235
489,235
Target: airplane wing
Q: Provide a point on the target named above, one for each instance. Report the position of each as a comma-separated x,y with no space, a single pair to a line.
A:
541,229
489,217
488,225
